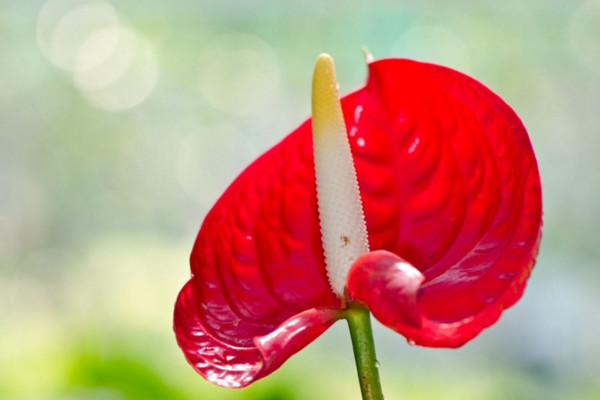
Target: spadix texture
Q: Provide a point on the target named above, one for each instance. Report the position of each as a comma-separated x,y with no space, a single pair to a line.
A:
452,201
342,222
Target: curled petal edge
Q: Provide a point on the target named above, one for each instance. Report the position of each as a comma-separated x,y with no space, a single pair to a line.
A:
237,367
389,286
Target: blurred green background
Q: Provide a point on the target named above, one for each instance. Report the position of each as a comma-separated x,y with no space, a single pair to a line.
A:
121,123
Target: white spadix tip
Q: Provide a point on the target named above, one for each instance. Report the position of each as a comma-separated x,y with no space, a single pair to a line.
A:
342,222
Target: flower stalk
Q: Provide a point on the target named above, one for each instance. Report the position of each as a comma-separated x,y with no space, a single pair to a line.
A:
367,366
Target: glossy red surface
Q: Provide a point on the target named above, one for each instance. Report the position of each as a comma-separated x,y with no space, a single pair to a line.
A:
449,183
232,366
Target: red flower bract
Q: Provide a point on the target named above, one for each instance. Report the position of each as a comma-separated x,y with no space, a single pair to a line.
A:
452,201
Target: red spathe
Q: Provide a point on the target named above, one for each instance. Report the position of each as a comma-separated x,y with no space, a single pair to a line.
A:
451,194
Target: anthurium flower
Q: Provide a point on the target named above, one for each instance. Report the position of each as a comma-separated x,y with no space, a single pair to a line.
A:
428,214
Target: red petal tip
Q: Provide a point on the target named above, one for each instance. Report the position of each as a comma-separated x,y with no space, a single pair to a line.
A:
234,366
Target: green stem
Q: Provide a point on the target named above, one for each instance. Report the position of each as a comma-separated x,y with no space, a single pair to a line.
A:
359,322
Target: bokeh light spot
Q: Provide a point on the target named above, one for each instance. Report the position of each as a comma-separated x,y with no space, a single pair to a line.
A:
239,74
64,25
125,78
113,67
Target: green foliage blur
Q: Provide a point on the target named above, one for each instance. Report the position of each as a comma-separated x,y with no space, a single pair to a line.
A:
121,122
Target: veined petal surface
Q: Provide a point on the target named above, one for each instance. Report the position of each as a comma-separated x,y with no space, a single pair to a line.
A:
233,366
